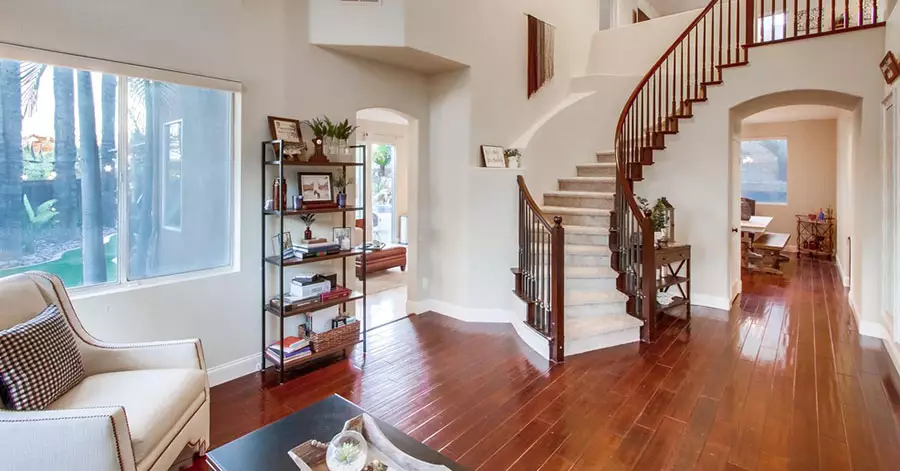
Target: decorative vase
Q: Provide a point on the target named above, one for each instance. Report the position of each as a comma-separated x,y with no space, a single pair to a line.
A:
347,452
308,233
342,200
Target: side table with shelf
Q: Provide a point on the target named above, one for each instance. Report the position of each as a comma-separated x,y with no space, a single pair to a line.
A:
673,270
816,237
339,339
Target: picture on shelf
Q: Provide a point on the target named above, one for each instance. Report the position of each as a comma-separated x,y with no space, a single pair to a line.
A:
493,156
284,244
288,130
341,236
316,187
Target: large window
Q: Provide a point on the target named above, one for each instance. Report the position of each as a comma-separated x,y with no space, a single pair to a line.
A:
764,170
108,178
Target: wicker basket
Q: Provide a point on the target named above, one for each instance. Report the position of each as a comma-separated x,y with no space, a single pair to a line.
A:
334,338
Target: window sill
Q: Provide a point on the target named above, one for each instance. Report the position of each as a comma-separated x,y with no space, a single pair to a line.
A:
89,292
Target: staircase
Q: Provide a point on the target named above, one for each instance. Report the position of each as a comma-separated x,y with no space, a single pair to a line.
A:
595,314
586,256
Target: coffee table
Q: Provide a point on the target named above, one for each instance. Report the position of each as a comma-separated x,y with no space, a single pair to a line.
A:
267,448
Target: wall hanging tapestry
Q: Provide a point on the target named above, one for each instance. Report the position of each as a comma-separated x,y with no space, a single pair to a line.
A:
540,54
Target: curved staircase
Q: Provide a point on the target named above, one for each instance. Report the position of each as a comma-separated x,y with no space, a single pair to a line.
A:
586,256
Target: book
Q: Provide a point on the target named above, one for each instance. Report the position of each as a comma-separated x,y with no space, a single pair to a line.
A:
300,353
309,255
316,247
290,345
336,293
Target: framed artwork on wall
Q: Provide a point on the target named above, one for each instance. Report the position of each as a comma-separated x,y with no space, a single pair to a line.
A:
889,68
493,156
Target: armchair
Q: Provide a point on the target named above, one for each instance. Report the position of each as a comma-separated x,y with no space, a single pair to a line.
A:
140,407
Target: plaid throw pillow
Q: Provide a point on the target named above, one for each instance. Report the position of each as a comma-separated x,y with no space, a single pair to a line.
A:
39,361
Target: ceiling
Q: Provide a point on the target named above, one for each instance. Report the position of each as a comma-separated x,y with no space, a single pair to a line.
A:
794,113
670,7
381,115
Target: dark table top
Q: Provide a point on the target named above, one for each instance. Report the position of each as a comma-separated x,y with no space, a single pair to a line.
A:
267,448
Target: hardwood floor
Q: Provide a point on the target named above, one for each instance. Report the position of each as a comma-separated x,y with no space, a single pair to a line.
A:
782,381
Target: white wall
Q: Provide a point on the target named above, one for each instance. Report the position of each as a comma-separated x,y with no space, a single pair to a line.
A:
693,170
811,170
845,146
262,44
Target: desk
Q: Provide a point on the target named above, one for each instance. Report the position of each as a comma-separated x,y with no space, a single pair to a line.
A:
756,224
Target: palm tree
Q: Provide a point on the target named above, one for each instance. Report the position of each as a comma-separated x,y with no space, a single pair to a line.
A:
143,97
65,186
10,160
108,148
94,267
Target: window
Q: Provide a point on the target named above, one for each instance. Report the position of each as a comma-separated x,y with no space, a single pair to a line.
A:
764,170
108,178
771,27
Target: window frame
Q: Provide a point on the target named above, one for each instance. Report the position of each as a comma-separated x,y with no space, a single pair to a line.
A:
787,142
123,71
166,161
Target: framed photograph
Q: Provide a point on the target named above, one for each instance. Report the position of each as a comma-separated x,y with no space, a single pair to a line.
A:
288,130
316,187
493,156
889,68
283,243
342,235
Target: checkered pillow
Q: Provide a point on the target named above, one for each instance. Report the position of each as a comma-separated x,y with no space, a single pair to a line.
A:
39,361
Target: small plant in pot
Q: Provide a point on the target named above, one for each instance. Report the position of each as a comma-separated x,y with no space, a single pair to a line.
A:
656,214
513,158
308,219
341,133
320,129
341,182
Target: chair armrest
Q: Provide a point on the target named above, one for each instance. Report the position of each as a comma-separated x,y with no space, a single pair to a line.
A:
94,438
105,357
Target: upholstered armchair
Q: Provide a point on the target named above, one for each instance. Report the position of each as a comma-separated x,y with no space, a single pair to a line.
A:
140,406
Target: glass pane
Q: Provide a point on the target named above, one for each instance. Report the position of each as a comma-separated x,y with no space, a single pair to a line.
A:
179,178
58,147
764,170
383,192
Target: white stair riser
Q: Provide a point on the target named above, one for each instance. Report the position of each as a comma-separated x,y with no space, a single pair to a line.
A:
591,171
591,284
583,220
597,342
578,202
587,239
593,310
603,187
606,158
581,260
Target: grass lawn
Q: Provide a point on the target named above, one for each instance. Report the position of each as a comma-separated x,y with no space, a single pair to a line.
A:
69,266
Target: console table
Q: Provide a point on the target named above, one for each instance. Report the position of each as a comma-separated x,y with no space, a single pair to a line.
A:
673,270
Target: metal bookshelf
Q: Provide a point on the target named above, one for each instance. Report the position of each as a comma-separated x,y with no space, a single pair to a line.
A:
276,165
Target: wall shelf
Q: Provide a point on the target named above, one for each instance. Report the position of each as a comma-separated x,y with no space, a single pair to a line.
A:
300,212
312,308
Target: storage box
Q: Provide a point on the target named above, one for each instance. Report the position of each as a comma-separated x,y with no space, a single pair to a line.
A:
311,290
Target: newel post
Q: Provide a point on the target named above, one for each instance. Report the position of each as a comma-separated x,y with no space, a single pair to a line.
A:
558,316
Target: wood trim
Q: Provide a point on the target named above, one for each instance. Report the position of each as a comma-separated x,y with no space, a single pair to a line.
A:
815,35
532,204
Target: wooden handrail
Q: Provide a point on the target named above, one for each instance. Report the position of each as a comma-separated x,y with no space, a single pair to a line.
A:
540,276
666,94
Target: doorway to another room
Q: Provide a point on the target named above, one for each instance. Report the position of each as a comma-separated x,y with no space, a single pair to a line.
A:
386,135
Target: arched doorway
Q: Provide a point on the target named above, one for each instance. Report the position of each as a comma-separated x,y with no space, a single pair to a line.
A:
391,141
790,155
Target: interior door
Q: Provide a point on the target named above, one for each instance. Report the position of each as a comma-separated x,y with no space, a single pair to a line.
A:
734,210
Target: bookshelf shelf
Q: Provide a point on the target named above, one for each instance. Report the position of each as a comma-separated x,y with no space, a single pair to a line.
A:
273,221
312,308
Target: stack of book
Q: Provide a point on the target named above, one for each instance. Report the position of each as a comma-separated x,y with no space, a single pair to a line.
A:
294,347
336,293
315,248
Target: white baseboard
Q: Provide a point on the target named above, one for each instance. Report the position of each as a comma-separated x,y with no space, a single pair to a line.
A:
873,329
532,339
715,302
233,369
464,314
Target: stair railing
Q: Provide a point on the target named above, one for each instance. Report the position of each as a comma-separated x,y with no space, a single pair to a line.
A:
718,38
540,277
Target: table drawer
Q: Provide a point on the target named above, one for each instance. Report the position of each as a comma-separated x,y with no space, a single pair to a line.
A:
672,254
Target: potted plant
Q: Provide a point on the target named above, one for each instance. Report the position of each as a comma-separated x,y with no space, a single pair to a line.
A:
320,129
513,158
308,219
340,183
657,215
342,133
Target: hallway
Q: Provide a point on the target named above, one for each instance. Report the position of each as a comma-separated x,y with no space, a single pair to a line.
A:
781,382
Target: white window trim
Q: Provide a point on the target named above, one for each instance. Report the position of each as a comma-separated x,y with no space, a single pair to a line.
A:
123,71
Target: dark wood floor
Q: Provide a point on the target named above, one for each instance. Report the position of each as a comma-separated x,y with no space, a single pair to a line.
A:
783,381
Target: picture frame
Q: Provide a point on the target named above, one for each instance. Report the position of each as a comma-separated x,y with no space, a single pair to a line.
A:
284,244
288,130
493,156
890,70
316,187
342,236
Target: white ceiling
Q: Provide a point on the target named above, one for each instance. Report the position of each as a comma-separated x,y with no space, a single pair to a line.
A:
381,115
794,113
670,7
